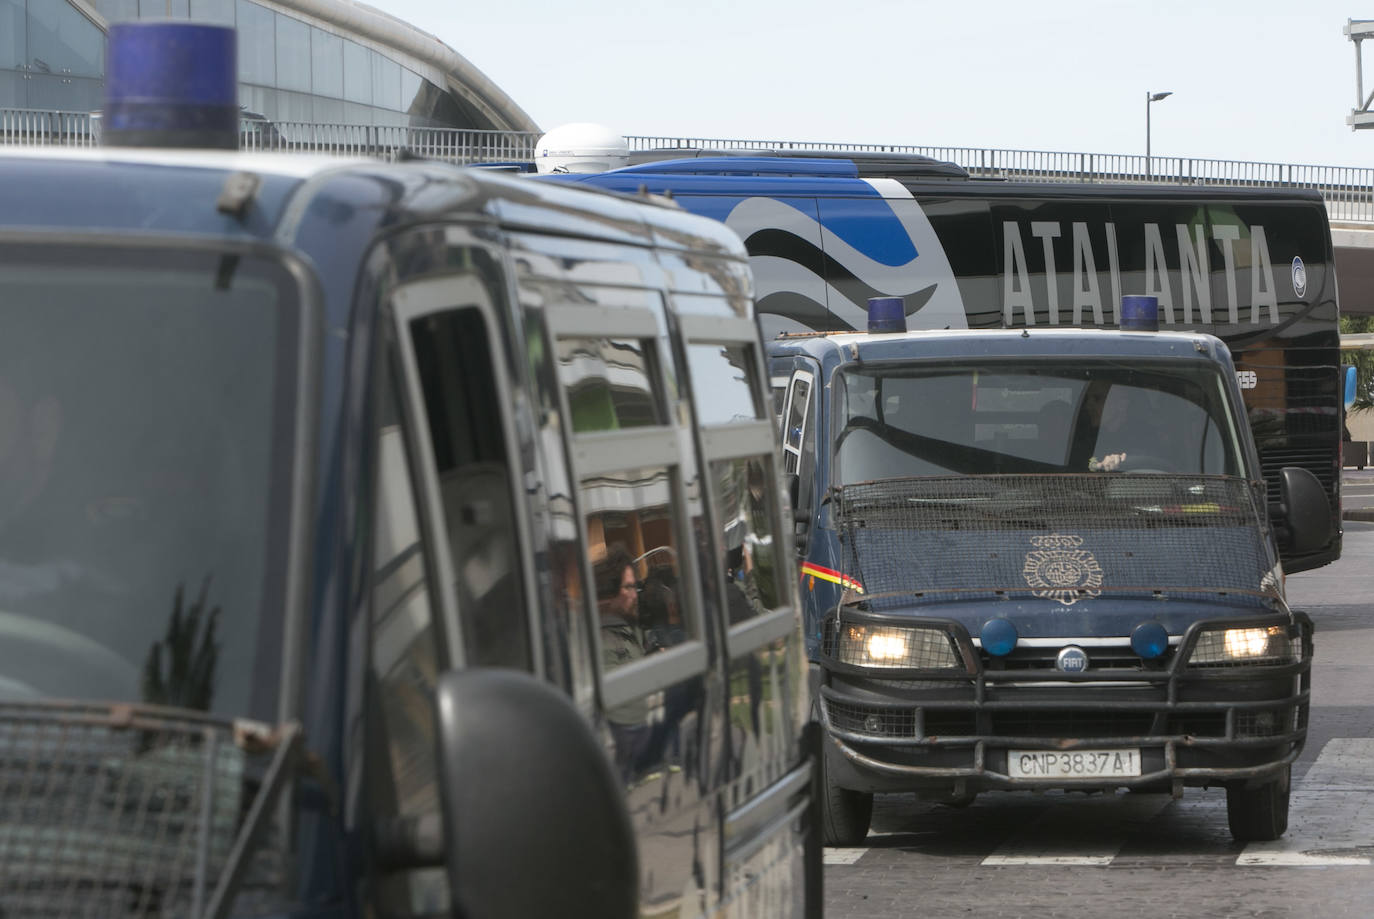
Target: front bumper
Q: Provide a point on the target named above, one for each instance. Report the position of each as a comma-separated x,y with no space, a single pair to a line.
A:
940,730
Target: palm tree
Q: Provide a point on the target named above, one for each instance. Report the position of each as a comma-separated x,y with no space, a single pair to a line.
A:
188,680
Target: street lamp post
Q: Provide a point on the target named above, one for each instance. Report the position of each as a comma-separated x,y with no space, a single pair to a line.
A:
1150,97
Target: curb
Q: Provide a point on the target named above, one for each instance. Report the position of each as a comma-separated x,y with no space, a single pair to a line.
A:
1360,513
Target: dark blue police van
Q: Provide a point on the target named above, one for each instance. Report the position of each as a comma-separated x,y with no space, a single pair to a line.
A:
1042,558
384,539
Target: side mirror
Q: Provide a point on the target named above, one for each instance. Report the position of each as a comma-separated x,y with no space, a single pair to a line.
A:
534,816
1303,509
799,513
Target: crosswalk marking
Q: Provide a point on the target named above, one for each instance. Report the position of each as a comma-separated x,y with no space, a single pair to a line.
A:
1331,816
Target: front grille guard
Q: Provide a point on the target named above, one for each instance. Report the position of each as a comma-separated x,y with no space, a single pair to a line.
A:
138,811
914,704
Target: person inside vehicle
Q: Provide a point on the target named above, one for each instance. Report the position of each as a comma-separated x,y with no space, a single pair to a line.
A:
622,642
1133,430
618,605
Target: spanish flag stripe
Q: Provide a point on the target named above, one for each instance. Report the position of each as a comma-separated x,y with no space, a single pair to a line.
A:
828,574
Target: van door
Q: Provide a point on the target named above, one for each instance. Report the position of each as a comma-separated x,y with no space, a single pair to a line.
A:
448,331
765,856
601,333
798,445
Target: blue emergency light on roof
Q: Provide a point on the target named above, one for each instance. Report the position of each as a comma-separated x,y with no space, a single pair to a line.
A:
171,84
886,314
1140,313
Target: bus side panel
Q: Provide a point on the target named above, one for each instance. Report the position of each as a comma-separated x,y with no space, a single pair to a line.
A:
786,253
1258,275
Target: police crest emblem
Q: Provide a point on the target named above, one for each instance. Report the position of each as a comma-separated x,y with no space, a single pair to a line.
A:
1057,569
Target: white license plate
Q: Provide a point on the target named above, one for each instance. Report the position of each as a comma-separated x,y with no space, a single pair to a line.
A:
1074,764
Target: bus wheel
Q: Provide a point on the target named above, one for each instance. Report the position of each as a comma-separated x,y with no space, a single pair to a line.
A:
845,814
1258,814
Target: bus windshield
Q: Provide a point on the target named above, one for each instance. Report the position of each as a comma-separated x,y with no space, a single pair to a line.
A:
1047,417
146,413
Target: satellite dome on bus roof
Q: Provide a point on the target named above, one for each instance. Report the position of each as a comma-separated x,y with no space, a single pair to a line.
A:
581,147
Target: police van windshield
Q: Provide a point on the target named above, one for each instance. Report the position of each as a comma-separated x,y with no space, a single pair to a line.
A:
145,421
1033,418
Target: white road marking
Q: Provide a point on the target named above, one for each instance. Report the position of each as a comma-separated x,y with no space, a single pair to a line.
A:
843,856
1058,837
1028,859
1331,814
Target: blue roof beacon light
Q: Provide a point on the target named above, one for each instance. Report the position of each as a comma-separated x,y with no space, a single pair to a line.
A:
171,84
1139,313
886,314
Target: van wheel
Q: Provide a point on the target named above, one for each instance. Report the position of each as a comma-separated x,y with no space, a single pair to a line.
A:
1258,814
845,814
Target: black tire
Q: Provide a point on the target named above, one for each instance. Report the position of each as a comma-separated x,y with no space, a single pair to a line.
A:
1258,814
845,814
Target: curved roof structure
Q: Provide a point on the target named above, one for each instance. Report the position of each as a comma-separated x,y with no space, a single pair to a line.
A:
302,61
463,79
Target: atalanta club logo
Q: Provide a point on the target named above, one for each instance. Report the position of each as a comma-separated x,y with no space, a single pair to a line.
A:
1057,569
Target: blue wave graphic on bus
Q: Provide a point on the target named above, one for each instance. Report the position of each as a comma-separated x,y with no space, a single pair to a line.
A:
869,225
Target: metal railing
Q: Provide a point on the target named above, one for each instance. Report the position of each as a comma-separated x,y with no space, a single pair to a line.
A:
452,145
1348,190
35,127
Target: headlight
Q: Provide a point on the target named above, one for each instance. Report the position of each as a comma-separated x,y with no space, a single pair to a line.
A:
1269,645
896,648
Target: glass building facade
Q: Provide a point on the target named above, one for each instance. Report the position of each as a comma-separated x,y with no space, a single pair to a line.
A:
52,57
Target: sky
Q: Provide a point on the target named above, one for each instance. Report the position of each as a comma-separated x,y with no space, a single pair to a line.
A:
1260,80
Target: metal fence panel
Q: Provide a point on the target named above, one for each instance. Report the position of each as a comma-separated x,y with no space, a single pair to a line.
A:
1348,190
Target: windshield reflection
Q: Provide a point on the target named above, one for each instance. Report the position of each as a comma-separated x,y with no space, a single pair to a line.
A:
142,475
1042,418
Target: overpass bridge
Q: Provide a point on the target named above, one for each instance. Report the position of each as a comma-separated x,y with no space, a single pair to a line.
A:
1347,190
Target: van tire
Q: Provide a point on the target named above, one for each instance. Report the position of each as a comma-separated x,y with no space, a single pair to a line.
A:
1258,814
845,814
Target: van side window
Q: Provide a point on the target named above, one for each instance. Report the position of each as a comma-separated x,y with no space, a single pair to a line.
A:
721,385
744,490
609,384
453,358
403,773
794,428
638,593
779,390
737,423
630,452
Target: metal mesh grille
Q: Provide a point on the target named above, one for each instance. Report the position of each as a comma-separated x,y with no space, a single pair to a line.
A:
1062,537
1250,647
866,719
108,813
905,648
